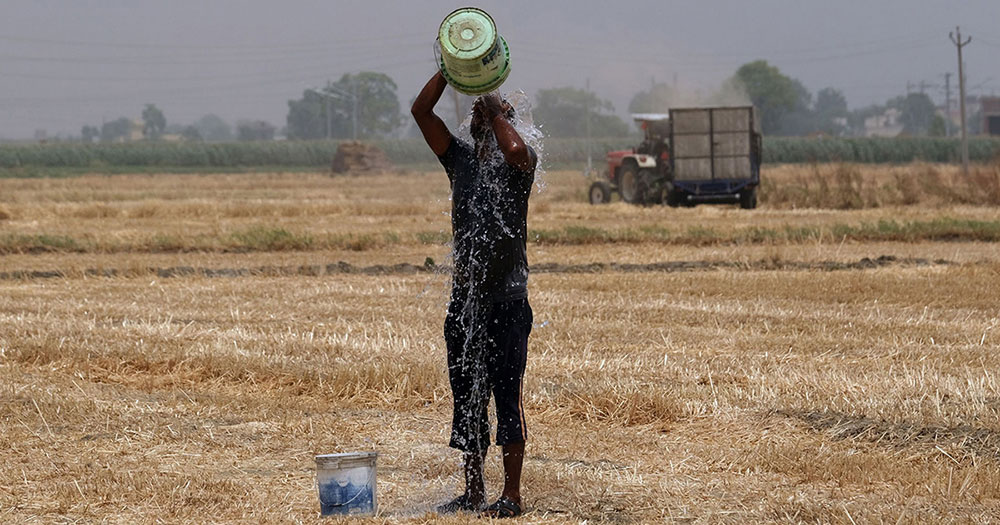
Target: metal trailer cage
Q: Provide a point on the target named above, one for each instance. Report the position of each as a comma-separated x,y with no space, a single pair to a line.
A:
715,152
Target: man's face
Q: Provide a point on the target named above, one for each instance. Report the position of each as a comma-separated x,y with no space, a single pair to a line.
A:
479,128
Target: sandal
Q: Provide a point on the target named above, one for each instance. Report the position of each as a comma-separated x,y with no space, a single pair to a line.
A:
503,508
461,503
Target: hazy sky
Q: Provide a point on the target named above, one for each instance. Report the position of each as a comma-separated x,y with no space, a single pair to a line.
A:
65,63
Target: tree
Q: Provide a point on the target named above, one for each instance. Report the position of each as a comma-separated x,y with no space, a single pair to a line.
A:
562,112
116,129
830,111
307,116
377,108
830,101
191,133
255,130
775,95
916,112
801,120
153,122
89,133
938,128
378,105
212,128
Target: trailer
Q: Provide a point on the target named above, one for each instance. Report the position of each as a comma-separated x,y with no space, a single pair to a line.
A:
715,156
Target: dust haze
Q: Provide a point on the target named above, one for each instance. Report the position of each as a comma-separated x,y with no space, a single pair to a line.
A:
68,64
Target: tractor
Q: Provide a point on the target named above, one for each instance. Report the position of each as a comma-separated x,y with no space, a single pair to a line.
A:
638,174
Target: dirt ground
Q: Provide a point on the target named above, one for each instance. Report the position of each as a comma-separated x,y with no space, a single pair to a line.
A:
819,380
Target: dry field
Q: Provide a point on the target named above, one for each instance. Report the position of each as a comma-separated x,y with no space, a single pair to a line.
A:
176,348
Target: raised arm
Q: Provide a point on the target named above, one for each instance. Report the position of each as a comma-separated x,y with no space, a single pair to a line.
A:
515,151
433,128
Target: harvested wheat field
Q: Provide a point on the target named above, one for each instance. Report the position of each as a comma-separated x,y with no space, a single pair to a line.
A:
177,348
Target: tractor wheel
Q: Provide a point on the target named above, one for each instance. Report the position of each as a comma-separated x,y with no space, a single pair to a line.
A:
600,192
628,183
748,199
644,193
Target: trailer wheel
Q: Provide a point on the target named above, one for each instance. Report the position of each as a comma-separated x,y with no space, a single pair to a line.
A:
600,192
748,199
628,183
674,198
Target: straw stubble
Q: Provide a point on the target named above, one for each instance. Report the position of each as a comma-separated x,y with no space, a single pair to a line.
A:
775,389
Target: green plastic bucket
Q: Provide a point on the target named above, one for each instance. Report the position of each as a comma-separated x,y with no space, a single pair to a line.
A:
475,59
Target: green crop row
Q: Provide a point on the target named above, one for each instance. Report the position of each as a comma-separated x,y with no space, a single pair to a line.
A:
877,150
190,154
556,152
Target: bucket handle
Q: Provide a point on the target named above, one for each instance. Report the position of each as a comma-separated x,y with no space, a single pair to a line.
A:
371,480
438,60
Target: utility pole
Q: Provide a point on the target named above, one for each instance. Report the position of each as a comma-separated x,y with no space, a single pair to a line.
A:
331,92
956,39
947,104
329,114
354,124
590,160
326,94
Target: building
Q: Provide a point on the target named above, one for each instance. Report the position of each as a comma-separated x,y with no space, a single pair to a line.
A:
135,131
885,125
991,115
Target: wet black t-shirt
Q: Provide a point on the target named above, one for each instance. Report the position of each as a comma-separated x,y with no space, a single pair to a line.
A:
489,222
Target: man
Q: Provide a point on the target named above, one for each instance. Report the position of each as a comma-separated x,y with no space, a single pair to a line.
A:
489,318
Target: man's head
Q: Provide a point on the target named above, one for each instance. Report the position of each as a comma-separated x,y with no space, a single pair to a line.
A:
483,111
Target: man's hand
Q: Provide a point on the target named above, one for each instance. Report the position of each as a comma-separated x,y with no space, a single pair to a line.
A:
515,151
491,105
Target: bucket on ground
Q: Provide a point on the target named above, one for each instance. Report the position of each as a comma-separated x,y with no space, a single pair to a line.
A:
346,483
474,58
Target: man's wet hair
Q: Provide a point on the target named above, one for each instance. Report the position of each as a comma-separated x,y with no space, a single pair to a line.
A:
510,114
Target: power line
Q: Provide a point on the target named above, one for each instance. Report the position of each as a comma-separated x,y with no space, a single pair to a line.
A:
367,60
805,54
317,44
201,59
553,56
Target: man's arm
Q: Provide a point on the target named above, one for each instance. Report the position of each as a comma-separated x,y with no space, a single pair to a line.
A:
514,150
435,132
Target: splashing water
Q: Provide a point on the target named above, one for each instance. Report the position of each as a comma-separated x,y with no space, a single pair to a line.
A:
524,123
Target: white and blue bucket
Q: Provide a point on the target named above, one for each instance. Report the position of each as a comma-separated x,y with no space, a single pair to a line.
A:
346,484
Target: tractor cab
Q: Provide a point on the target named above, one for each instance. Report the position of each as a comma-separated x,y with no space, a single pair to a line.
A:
656,129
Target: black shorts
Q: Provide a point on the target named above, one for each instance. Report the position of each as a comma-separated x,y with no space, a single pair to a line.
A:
487,353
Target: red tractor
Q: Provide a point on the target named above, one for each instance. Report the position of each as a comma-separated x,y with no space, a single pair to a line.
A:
634,173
